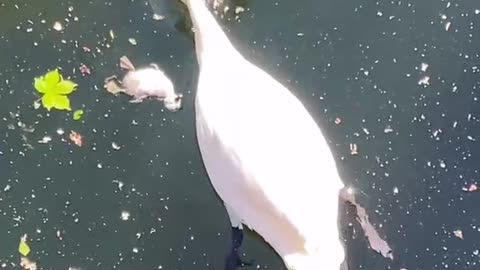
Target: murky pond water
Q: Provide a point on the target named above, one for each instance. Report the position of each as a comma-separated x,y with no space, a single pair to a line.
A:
401,76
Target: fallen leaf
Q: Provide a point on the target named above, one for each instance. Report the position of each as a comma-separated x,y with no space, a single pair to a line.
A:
23,247
76,138
27,264
125,63
65,87
59,102
77,115
85,70
112,85
55,90
470,188
375,241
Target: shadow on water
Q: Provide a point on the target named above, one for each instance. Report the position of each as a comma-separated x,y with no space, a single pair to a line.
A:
356,61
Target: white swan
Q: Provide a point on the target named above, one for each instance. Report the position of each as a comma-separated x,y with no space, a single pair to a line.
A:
264,154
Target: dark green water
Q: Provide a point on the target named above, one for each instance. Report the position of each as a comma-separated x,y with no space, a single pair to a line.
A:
356,60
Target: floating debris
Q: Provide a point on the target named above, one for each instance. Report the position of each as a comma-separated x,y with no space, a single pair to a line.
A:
424,67
158,17
58,26
54,90
112,85
458,234
76,138
471,188
353,149
45,139
125,63
59,235
115,146
112,34
132,41
23,247
387,130
78,114
239,9
125,215
27,264
120,184
37,104
85,70
442,163
447,26
425,80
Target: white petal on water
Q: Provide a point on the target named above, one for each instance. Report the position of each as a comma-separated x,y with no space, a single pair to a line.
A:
442,164
58,26
239,9
425,80
45,139
119,184
158,17
424,67
125,215
447,26
115,146
132,41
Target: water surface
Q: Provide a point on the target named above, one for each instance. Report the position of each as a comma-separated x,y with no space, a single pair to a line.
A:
359,61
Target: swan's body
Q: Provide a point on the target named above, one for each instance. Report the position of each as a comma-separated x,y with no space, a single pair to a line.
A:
264,153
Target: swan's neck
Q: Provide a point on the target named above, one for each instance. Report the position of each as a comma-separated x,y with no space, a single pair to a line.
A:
209,36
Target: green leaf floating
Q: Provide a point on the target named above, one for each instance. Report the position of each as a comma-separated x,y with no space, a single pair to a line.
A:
55,90
23,248
77,115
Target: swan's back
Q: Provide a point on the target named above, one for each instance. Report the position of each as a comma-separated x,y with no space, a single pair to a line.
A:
264,154
275,145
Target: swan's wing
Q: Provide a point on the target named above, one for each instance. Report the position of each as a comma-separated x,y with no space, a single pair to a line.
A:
282,175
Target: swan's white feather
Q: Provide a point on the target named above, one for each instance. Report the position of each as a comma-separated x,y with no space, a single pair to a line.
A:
264,154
